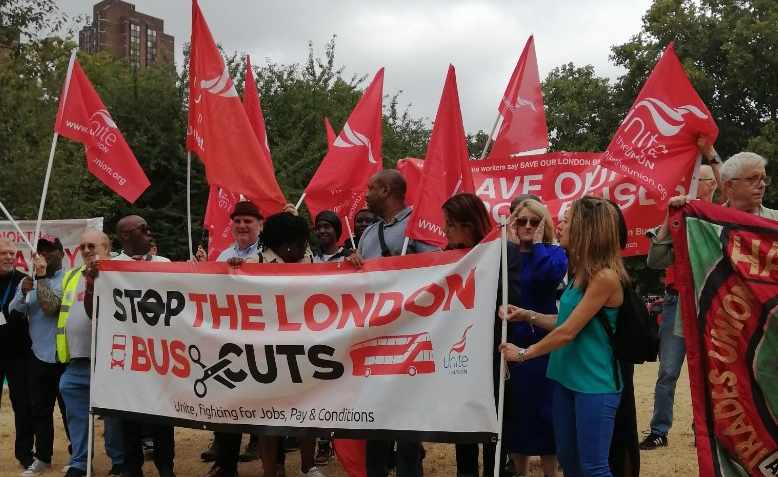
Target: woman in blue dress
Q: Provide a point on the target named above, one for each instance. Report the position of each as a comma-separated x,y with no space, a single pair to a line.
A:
528,424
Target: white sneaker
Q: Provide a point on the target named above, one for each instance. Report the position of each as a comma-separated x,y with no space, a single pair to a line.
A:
66,469
312,472
38,467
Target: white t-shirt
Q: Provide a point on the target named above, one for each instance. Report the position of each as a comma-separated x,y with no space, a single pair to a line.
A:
148,258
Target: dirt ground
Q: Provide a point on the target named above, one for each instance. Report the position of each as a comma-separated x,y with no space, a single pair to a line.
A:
678,458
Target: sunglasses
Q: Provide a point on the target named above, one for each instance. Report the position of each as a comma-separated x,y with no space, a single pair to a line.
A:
523,221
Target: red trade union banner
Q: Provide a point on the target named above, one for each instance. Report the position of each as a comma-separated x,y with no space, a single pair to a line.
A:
727,276
559,178
318,348
82,117
657,141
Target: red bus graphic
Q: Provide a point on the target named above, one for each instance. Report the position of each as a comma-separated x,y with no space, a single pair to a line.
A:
400,354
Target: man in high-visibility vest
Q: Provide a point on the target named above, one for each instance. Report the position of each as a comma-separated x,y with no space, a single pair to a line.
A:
74,347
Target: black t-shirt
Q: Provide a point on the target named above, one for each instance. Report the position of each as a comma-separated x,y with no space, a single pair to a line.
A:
14,335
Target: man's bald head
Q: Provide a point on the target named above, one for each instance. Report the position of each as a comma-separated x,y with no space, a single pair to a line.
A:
7,256
386,192
134,234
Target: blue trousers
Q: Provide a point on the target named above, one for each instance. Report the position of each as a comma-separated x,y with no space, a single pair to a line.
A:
672,350
583,427
74,387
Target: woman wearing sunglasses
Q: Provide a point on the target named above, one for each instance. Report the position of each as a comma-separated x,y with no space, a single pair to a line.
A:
528,429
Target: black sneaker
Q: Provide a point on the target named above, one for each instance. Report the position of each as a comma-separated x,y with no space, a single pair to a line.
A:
73,472
653,441
116,471
209,454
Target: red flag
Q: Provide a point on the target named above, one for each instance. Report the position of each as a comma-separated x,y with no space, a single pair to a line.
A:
657,141
340,182
351,454
446,168
523,118
330,134
217,220
254,111
219,130
411,168
82,117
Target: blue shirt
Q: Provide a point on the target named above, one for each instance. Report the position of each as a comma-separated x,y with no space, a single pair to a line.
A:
252,251
394,236
584,365
43,327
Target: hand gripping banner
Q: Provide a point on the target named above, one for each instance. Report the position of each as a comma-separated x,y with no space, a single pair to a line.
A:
402,347
727,275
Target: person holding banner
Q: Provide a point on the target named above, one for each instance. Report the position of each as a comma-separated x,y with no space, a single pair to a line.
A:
285,238
386,199
587,386
246,227
74,347
38,300
15,353
328,228
466,224
135,238
672,349
543,265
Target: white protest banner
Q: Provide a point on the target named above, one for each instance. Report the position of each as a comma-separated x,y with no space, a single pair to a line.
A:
68,231
404,345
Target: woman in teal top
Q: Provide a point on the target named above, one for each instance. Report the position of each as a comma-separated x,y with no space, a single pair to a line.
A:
587,392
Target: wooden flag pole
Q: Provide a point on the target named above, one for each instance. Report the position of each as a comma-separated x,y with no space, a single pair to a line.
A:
350,234
299,202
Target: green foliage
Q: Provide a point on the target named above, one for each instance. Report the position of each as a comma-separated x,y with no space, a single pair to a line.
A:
579,109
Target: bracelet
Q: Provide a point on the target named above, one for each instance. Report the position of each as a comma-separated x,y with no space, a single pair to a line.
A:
522,356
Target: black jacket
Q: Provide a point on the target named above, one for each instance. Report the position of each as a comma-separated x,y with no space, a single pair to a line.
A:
14,335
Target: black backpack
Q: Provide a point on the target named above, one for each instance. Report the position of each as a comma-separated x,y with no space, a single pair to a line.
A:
636,339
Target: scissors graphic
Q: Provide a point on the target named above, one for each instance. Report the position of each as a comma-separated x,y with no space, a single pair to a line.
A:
200,389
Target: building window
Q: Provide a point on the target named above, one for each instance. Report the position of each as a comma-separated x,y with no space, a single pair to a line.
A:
134,45
151,46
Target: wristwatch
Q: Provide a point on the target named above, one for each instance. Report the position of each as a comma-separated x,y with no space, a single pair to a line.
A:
522,355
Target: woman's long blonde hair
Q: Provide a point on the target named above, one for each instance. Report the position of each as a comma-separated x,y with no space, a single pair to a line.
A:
593,240
541,211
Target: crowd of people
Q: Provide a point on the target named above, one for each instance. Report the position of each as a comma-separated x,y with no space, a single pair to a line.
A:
566,401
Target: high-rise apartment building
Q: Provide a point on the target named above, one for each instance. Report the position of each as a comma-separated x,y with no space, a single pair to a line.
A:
135,36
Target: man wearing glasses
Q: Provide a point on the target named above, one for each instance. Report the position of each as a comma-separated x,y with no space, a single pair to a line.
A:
743,182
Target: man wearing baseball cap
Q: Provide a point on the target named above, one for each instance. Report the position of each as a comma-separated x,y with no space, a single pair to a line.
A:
39,301
247,223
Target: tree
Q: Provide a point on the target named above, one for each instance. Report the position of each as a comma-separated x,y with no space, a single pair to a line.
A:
579,109
729,50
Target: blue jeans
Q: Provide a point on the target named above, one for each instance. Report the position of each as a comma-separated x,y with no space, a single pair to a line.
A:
74,386
583,427
672,350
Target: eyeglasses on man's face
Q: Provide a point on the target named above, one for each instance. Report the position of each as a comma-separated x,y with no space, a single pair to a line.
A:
755,180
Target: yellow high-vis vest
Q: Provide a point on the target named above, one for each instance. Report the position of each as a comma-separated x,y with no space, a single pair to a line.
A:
69,287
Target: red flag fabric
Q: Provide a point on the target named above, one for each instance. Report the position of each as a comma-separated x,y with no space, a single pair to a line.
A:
411,168
657,141
523,118
446,168
219,130
217,220
340,182
330,134
83,117
351,454
251,104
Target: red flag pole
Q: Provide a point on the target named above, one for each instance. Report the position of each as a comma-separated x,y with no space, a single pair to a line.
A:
53,149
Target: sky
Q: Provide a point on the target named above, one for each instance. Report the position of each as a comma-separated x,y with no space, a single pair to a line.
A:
414,40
